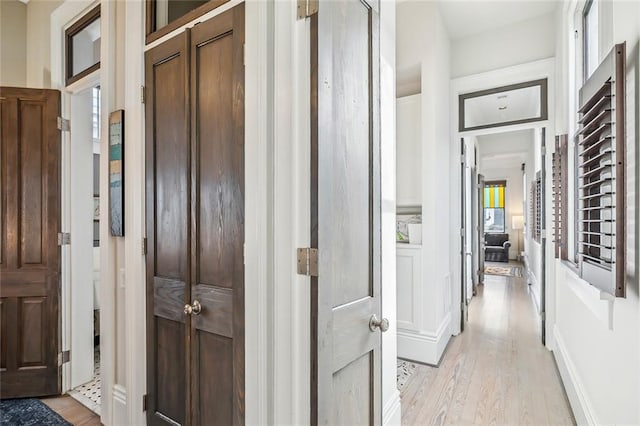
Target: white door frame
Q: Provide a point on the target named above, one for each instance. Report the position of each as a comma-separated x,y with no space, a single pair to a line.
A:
259,345
66,14
78,306
544,68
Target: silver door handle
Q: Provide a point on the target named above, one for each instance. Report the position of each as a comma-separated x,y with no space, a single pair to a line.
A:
193,309
382,324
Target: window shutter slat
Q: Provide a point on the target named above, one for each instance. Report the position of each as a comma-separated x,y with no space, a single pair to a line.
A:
600,170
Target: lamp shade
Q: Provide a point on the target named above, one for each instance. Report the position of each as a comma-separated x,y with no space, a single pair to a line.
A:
517,222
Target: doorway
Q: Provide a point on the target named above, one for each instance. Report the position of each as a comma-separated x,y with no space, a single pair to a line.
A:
507,208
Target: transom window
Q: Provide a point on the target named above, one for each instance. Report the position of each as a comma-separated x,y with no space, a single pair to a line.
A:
590,39
82,46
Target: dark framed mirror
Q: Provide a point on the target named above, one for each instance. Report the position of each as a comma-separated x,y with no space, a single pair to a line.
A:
503,106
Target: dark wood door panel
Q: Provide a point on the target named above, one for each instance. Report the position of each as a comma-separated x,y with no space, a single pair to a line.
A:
170,373
168,211
32,338
217,132
195,224
24,283
215,383
169,299
217,310
171,178
3,335
30,254
220,175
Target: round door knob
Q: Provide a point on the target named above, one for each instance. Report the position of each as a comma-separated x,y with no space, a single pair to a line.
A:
193,309
382,324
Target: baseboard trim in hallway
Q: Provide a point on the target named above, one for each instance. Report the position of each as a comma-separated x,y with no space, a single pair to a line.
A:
422,347
574,389
392,411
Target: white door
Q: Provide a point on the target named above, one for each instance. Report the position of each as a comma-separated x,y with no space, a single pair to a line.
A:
346,334
81,214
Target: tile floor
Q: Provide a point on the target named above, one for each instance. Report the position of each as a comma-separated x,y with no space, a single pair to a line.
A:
89,393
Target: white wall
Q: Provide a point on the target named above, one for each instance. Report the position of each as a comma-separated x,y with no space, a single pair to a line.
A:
598,341
533,248
13,43
391,408
408,151
38,46
422,39
514,44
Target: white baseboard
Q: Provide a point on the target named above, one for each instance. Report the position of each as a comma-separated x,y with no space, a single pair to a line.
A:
533,288
578,399
392,411
119,405
422,346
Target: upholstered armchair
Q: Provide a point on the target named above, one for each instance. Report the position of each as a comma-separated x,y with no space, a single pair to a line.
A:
496,247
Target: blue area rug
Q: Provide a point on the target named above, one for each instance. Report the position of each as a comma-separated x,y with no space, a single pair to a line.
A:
28,412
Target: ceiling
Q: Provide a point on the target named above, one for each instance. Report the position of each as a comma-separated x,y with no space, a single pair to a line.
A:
464,18
504,150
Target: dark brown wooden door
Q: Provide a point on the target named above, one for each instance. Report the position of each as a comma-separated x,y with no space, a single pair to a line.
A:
30,256
168,205
195,224
217,219
346,302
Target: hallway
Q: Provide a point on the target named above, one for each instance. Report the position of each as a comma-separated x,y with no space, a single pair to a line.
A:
495,372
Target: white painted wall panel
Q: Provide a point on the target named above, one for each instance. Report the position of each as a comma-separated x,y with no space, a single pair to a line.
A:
408,151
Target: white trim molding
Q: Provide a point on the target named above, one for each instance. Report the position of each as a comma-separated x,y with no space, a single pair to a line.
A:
392,411
61,18
544,68
423,346
134,260
258,352
580,404
119,405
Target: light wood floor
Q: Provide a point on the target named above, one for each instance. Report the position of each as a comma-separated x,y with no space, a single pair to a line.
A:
495,372
72,411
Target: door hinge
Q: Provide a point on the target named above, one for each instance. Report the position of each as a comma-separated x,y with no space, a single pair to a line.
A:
64,124
145,399
306,8
244,54
144,246
64,238
64,357
142,94
308,261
